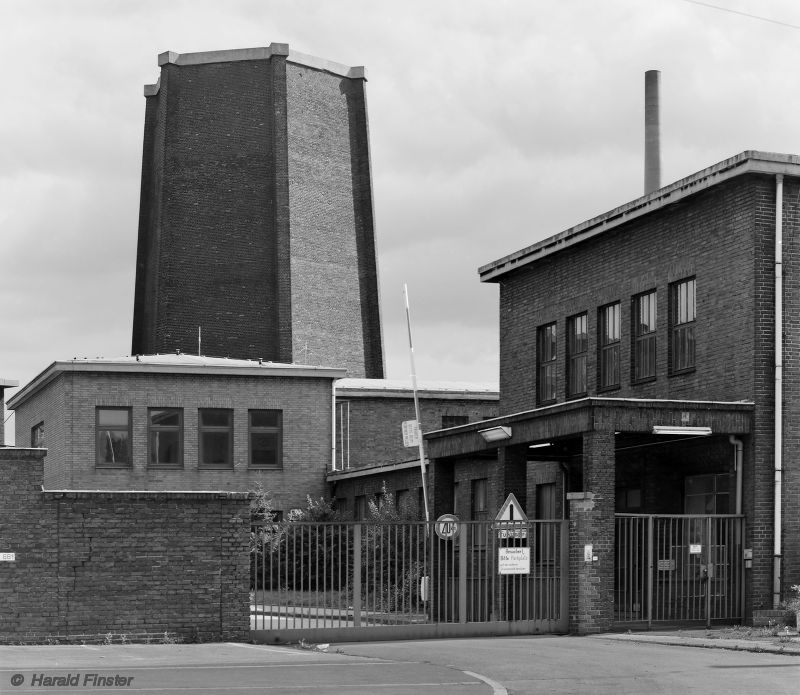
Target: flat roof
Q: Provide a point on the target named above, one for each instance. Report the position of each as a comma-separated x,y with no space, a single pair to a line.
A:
748,162
174,363
396,388
260,53
8,383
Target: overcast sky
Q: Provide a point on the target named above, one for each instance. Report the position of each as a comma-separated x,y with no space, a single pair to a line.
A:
493,125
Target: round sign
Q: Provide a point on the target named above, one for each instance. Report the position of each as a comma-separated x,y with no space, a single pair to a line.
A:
447,527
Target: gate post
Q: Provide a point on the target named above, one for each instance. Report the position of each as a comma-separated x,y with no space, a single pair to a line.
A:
591,535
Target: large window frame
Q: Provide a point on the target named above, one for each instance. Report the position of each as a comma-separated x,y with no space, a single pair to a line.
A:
113,437
479,509
609,339
37,435
215,437
265,437
644,318
546,361
165,437
577,355
682,317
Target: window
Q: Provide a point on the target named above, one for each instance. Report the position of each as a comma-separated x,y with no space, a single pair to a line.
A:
577,348
628,499
480,509
456,495
166,436
215,437
360,508
266,438
707,494
546,363
402,500
454,420
682,316
609,346
644,336
113,440
37,435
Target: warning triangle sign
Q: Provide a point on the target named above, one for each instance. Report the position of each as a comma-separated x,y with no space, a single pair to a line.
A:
511,510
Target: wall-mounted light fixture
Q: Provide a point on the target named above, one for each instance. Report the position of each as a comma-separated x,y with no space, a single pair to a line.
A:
495,434
682,430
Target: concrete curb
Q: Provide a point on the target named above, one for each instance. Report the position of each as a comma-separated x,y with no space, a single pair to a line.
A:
790,647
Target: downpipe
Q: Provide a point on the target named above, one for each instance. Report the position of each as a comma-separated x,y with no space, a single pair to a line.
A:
778,444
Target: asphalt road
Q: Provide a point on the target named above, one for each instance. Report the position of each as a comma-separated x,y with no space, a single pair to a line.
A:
546,664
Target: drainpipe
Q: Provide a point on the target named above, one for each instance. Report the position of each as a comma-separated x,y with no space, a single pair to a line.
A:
777,531
737,466
333,428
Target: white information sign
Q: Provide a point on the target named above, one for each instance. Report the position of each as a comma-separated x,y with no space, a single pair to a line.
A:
411,435
8,557
513,560
695,549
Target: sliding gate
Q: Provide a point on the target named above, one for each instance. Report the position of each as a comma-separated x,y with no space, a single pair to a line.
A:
678,569
364,580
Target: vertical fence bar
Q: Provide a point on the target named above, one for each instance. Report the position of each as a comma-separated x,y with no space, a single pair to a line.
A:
357,575
650,571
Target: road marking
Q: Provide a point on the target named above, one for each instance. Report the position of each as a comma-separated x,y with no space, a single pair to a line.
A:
277,650
496,687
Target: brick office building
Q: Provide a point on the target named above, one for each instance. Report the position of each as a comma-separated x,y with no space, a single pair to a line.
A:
371,455
181,422
640,356
256,232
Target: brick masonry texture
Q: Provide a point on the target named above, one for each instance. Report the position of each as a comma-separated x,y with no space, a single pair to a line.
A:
370,429
256,217
67,406
723,237
93,563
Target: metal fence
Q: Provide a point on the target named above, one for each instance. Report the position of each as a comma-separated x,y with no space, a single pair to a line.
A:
679,569
321,576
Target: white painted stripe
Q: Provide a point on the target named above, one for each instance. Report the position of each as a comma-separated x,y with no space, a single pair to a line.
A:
496,687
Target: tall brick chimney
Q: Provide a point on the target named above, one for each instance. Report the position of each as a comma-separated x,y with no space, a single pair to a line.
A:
652,131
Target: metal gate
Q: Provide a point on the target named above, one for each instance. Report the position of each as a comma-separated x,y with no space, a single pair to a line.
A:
363,581
678,569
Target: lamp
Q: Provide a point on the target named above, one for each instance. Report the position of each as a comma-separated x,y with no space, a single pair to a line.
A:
495,434
682,430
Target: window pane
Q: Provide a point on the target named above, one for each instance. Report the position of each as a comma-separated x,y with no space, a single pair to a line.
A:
216,447
112,447
264,449
165,447
165,418
215,418
264,418
112,417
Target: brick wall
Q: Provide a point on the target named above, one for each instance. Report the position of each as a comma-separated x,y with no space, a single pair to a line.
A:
334,298
67,405
710,237
374,425
92,563
256,218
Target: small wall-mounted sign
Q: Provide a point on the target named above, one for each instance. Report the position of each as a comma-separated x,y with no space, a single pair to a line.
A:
666,565
8,557
588,552
695,549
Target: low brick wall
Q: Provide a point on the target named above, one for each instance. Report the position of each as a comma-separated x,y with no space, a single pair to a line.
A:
92,563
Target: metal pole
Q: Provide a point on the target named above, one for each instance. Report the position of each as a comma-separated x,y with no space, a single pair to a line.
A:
416,409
